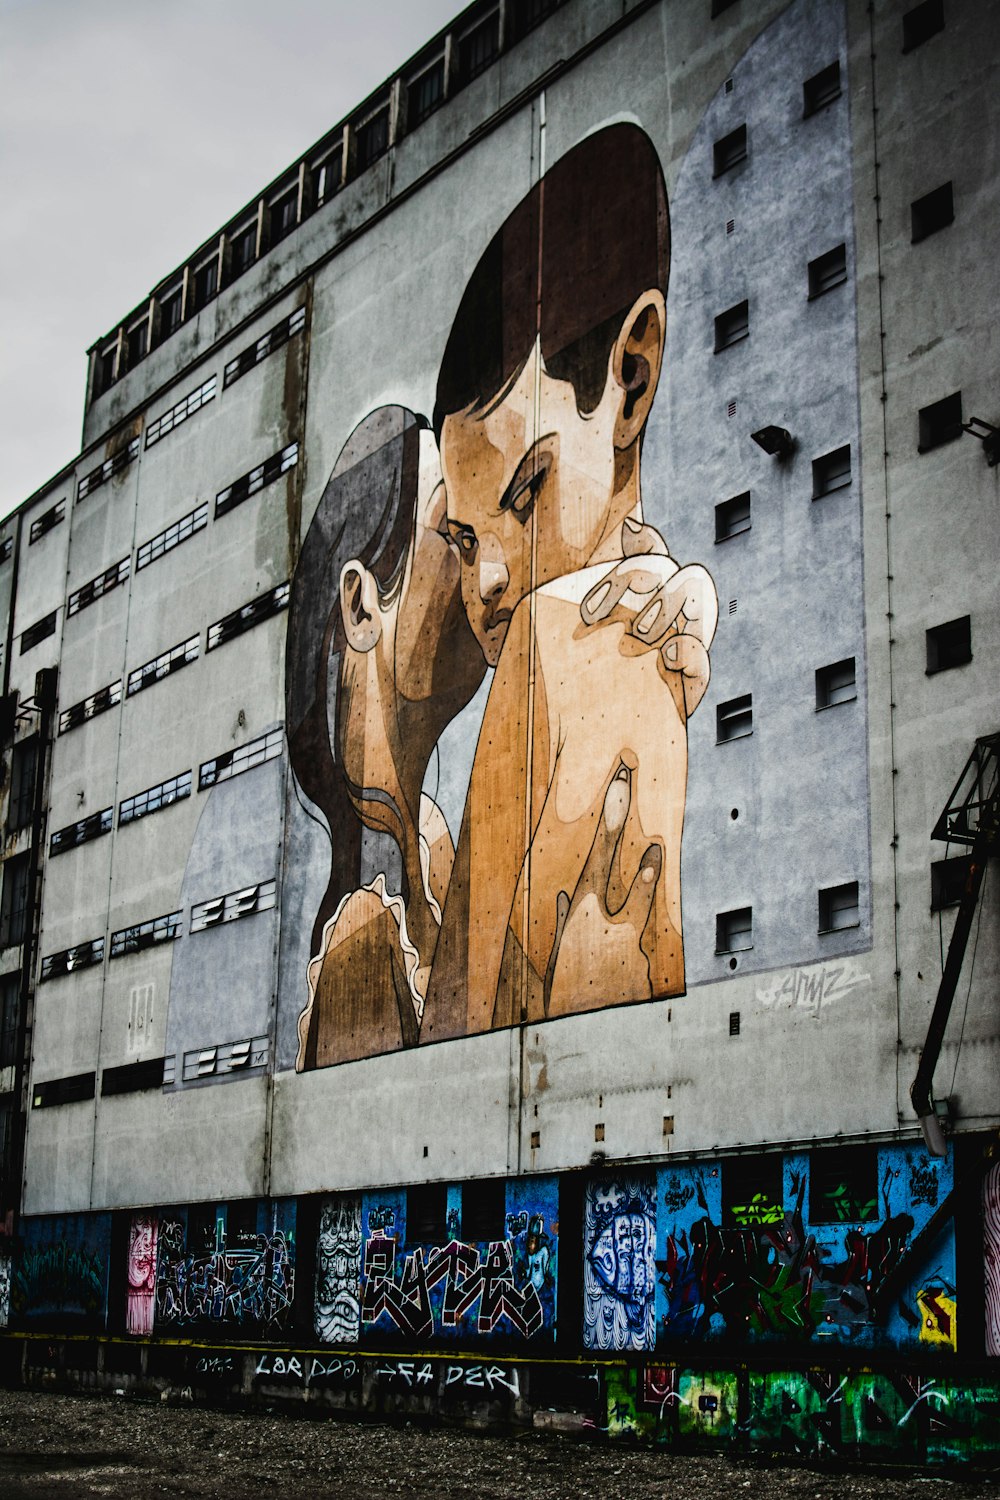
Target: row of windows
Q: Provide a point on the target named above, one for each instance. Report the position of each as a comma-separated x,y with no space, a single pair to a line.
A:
837,910
918,25
830,472
90,592
180,412
108,469
256,480
163,665
835,683
272,340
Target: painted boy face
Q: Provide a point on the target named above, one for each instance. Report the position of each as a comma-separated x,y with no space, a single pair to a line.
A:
529,485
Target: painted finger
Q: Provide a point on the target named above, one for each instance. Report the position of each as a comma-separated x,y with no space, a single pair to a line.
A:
596,874
562,912
602,598
638,538
642,892
687,655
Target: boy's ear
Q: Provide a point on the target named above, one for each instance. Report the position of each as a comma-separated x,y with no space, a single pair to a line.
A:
636,361
359,606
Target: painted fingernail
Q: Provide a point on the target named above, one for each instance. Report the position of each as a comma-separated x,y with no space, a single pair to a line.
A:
597,595
632,524
648,874
670,652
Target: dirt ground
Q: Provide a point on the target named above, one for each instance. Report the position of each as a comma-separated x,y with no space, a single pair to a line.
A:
55,1447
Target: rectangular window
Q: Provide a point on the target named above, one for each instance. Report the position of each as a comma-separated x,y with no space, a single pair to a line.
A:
734,930
23,771
166,541
146,934
934,211
245,903
832,471
163,665
732,326
838,907
719,7
427,1214
180,412
10,1015
729,151
89,708
527,14
372,139
478,47
244,249
821,89
154,799
732,517
249,484
484,1205
752,1191
90,592
247,616
836,683
108,469
171,308
14,901
921,23
137,342
206,284
63,1090
41,629
949,645
843,1185
734,720
133,1078
88,828
46,522
425,93
326,176
272,340
827,271
284,214
234,762
82,956
948,877
6,548
104,376
939,423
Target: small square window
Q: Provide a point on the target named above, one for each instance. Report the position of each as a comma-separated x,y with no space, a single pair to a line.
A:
836,683
732,326
838,907
734,720
948,877
949,645
821,89
752,1191
827,271
934,211
729,151
831,472
921,23
732,517
939,423
734,930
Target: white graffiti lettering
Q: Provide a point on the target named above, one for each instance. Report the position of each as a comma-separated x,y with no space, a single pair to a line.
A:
811,989
480,1376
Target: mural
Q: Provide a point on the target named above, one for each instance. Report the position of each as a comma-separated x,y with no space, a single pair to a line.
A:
337,1306
619,1264
62,1270
991,1259
6,1267
236,1279
510,539
141,1274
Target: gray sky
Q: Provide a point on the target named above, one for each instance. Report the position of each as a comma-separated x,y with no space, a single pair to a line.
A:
129,131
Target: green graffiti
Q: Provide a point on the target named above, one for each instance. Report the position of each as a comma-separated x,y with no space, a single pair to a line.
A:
760,1210
847,1208
58,1276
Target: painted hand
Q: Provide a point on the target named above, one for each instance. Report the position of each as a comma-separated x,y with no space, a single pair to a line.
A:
603,918
679,609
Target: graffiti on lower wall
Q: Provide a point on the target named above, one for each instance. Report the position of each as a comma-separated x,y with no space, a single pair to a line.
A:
62,1271
242,1278
6,1266
337,1306
141,1274
619,1270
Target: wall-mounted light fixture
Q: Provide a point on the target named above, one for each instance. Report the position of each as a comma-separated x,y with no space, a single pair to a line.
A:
777,441
989,436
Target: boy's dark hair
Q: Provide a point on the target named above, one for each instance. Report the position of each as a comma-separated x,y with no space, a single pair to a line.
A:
567,264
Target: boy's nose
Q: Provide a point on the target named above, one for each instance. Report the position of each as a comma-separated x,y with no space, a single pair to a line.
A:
493,574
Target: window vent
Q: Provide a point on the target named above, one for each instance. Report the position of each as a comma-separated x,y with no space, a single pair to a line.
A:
38,632
245,903
89,708
146,935
734,720
163,665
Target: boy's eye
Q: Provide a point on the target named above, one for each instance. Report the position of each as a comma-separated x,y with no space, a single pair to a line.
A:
524,498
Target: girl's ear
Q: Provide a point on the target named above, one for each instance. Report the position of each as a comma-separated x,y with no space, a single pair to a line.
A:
359,606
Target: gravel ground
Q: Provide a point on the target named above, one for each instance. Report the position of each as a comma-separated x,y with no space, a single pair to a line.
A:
55,1447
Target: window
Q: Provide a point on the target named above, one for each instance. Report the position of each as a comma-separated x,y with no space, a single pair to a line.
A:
107,470
719,7
939,423
82,956
133,1078
42,628
527,14
89,708
10,1015
729,151
425,93
921,23
265,345
949,645
46,522
90,592
154,799
838,907
234,762
827,271
244,249
326,175
146,934
752,1191
104,376
373,139
247,616
6,548
948,877
63,1090
843,1185
734,930
732,517
137,341
23,770
831,472
14,901
821,89
248,484
734,720
427,1214
732,326
934,211
284,214
163,665
88,828
180,412
229,1057
241,1224
245,903
206,282
171,309
166,541
478,47
836,683
484,1205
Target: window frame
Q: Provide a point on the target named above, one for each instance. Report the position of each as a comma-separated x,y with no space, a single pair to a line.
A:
730,150
728,930
730,716
948,645
732,326
827,477
832,900
728,509
829,691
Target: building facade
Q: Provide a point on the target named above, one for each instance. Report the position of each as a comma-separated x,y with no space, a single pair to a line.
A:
501,758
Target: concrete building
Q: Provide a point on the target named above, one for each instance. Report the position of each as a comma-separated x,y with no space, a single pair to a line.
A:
467,947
